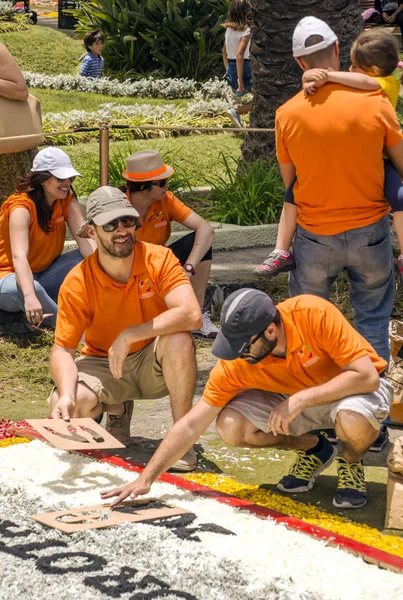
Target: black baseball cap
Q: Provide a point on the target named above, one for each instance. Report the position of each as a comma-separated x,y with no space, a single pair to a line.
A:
245,313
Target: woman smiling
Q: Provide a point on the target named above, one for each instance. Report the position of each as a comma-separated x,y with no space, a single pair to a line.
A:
32,236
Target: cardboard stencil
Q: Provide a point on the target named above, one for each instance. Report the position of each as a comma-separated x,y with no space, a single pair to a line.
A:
77,434
101,515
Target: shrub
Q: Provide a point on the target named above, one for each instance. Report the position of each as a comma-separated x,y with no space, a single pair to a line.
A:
248,194
180,38
197,114
6,9
169,89
19,22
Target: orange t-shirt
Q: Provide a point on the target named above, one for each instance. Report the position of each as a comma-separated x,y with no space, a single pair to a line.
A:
156,227
43,247
335,140
93,303
320,341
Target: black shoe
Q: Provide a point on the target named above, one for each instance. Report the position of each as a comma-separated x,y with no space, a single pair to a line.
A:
381,440
306,468
351,491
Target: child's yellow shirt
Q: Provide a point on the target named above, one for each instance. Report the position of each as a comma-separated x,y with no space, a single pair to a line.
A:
390,87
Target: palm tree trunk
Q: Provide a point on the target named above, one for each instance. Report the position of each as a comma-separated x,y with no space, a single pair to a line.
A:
276,75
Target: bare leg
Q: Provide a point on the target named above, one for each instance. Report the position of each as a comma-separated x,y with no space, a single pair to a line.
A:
236,430
356,433
242,109
87,404
176,354
200,280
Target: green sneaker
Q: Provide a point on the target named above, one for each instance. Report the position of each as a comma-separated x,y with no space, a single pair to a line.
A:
306,468
351,491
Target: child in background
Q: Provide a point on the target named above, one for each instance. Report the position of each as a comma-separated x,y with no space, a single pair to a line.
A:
374,57
93,62
236,53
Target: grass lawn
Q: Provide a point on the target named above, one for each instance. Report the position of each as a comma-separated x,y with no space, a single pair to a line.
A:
44,50
197,155
56,101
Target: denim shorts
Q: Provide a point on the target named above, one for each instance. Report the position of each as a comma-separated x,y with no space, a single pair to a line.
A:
232,76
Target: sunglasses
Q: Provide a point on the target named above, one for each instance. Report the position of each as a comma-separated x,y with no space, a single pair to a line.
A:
127,222
65,179
253,341
160,183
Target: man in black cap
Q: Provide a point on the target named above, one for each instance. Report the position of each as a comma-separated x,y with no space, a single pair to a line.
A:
283,372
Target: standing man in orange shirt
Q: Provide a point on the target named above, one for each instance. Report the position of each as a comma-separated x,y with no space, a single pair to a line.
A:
332,143
136,309
284,371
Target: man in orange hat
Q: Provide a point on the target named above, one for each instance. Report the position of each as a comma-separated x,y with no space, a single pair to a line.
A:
136,309
146,187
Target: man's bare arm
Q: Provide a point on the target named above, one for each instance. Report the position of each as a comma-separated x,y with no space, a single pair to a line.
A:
288,173
395,154
358,377
180,438
183,314
63,370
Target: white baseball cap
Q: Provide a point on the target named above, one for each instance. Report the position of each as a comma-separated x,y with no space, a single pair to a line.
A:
307,27
56,162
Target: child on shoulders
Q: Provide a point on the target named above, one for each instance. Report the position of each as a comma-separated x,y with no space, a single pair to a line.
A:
374,58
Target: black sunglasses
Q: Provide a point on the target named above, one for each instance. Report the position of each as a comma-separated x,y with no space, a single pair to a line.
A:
65,179
253,341
160,183
127,222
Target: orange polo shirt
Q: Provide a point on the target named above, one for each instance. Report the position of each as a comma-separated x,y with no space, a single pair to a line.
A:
43,247
93,303
320,341
156,227
335,140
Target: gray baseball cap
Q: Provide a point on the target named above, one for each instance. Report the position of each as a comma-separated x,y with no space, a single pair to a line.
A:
245,313
104,205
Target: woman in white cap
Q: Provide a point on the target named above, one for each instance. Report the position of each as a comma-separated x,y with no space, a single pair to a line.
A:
146,187
32,236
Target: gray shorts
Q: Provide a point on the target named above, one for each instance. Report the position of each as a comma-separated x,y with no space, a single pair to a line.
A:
256,405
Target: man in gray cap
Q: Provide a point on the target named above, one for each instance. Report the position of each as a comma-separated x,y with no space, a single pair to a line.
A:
135,308
284,371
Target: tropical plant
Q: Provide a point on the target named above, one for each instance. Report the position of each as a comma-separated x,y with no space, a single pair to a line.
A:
178,38
277,76
18,22
247,194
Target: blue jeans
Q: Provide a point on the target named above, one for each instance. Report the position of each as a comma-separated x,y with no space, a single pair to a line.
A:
366,254
46,285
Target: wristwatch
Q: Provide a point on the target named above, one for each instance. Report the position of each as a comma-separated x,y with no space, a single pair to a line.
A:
189,268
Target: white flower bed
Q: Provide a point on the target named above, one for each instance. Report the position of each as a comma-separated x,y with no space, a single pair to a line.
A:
170,89
222,554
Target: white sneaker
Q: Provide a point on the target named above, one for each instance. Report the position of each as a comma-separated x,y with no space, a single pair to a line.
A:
235,117
208,329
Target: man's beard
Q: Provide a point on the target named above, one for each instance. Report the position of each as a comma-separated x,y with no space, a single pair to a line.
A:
119,250
266,348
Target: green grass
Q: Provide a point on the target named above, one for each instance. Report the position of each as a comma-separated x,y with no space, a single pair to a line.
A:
44,50
56,101
198,156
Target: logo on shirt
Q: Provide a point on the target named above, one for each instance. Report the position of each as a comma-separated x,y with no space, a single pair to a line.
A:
307,357
146,289
160,219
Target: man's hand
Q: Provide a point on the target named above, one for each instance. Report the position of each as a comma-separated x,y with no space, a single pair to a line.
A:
64,408
282,415
117,354
134,489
